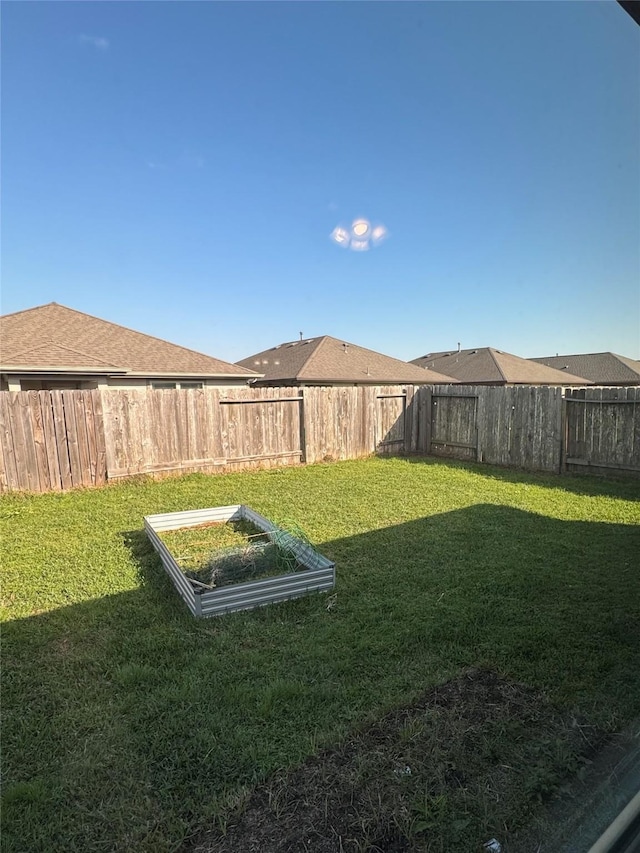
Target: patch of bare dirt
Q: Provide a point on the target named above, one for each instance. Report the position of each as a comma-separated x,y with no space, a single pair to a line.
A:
470,761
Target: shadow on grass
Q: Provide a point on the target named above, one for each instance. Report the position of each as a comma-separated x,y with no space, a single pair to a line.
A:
624,487
146,561
128,722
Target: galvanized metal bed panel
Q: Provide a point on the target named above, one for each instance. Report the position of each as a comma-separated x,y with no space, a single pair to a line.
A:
285,583
181,583
213,608
194,517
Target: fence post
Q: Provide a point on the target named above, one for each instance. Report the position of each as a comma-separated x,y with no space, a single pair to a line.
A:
408,418
564,437
424,419
480,420
303,427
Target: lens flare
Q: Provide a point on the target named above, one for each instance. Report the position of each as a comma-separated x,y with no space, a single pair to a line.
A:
360,236
360,228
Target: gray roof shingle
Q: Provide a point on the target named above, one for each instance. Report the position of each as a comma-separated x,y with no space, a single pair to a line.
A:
490,366
59,338
325,360
603,368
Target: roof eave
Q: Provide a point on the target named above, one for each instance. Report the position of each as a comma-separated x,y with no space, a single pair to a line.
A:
372,380
119,372
146,374
75,371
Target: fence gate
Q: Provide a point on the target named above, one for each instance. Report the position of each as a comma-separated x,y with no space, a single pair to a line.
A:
264,428
454,425
602,430
390,422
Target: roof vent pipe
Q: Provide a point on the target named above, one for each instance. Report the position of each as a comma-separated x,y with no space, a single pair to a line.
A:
458,346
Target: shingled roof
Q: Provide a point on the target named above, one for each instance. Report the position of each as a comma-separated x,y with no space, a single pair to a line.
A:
53,338
489,366
603,368
326,360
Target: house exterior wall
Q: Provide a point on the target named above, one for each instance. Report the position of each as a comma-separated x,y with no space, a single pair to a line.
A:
44,382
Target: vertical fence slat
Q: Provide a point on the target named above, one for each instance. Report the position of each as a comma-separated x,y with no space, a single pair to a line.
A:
39,440
100,438
105,401
51,444
215,449
4,476
10,468
16,443
79,400
92,451
634,394
26,455
72,437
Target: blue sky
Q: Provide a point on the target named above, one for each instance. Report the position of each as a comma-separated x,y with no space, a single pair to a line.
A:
178,168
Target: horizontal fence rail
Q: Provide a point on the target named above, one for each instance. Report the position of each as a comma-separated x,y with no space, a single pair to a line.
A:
56,440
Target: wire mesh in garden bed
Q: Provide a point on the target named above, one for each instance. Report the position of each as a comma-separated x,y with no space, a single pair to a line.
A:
239,563
255,553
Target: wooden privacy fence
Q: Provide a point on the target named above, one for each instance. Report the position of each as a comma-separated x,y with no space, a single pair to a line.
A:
157,431
516,426
51,440
54,440
602,430
538,428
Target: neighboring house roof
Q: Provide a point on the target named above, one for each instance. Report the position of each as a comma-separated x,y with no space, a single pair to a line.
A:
326,360
603,368
489,366
53,338
51,353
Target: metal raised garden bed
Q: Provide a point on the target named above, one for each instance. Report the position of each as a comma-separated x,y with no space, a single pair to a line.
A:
318,574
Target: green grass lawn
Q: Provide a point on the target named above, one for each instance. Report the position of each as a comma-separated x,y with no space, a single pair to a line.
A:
128,725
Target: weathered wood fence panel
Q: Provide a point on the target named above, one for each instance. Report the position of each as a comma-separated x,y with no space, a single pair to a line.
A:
338,423
603,430
351,422
516,426
454,425
51,440
391,421
209,429
262,426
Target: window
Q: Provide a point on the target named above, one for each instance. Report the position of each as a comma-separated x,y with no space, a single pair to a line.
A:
160,385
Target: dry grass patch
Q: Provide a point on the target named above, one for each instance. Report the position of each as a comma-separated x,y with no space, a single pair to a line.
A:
444,774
